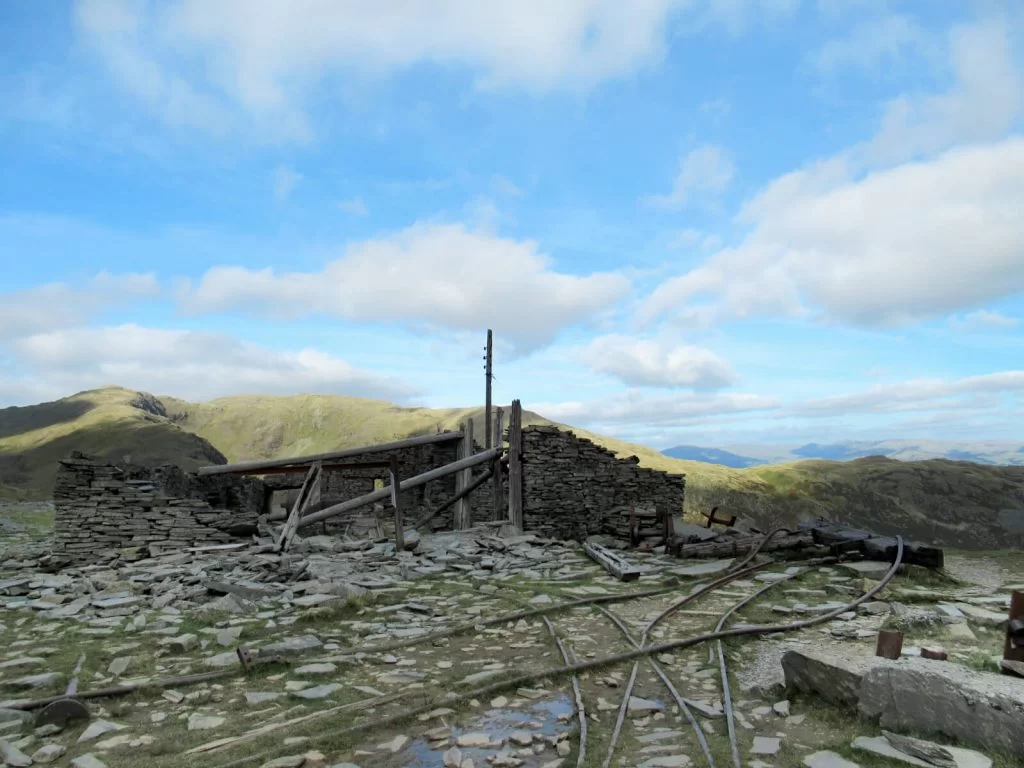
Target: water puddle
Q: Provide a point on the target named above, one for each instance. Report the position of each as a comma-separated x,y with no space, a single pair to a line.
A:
499,724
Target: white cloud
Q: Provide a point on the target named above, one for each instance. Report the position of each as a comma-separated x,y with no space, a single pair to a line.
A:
706,170
884,41
918,395
285,181
983,103
190,364
430,275
56,305
638,408
656,363
354,207
505,187
982,320
920,240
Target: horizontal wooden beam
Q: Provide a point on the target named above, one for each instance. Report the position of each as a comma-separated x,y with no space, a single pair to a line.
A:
298,469
413,482
224,469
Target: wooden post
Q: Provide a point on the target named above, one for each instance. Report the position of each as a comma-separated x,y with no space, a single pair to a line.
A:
488,371
498,437
463,512
890,644
396,488
1013,648
308,493
515,466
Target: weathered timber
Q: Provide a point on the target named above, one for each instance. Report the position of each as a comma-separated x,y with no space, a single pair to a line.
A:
252,466
1013,647
463,510
308,494
842,539
515,466
488,375
612,562
299,469
413,482
396,488
496,471
733,545
889,644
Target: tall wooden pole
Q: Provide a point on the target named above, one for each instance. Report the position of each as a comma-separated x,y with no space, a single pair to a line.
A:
396,489
488,374
515,466
496,472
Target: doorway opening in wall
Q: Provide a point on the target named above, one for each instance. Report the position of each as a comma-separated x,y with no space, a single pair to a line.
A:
281,501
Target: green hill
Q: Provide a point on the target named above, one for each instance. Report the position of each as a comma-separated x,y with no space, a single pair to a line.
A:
951,502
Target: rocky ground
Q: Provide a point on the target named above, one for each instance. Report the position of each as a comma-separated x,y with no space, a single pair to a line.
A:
335,697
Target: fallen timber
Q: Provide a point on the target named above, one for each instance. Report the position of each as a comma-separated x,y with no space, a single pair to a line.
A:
834,538
615,564
842,539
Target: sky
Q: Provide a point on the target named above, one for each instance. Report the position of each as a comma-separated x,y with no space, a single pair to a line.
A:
701,222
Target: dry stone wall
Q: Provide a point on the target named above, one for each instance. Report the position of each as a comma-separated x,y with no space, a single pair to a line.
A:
103,510
574,488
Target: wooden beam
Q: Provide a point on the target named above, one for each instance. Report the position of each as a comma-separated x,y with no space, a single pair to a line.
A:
488,374
413,482
465,491
615,564
309,493
464,510
396,488
515,466
301,468
496,471
224,469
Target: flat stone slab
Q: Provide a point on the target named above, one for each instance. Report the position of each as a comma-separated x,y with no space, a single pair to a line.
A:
880,745
318,691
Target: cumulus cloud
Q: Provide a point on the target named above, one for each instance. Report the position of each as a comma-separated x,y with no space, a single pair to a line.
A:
918,221
57,305
923,239
707,170
635,408
657,363
191,364
984,320
429,275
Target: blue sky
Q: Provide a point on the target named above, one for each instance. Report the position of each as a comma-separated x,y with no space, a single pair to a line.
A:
687,221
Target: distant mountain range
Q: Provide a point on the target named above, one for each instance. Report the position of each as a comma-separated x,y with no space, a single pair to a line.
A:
994,453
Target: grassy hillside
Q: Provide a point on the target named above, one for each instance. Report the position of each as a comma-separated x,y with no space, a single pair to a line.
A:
945,501
112,423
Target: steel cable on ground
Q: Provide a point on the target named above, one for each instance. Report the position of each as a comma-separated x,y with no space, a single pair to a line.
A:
581,754
587,666
736,571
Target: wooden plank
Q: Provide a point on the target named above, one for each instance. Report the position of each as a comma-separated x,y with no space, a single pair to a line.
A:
496,471
843,539
616,565
309,492
300,468
249,466
515,466
383,493
396,489
488,371
463,509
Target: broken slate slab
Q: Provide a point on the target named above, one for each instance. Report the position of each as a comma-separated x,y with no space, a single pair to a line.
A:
197,722
766,745
636,704
88,760
703,569
318,691
292,645
97,728
961,758
13,756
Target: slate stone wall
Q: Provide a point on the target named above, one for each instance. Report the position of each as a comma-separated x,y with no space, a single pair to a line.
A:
103,509
574,488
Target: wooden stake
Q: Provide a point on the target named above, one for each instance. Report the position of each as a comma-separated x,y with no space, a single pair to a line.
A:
396,488
515,466
488,372
1013,648
890,644
309,493
463,511
496,472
